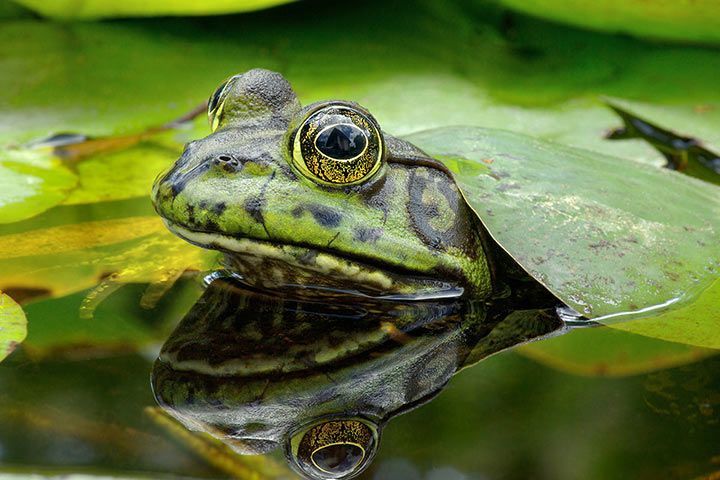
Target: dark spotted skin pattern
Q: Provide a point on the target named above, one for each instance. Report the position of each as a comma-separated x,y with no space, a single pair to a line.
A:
405,229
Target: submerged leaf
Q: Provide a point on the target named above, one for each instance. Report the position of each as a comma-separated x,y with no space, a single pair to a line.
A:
13,326
608,352
696,322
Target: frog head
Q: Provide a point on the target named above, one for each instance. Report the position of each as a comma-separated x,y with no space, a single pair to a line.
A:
319,196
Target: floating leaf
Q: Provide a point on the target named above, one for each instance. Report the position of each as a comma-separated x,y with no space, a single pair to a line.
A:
65,78
94,9
31,181
68,77
696,322
612,239
56,260
13,326
698,21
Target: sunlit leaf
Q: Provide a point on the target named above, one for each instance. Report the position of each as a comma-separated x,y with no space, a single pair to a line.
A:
63,259
697,21
31,181
613,239
697,322
93,9
13,326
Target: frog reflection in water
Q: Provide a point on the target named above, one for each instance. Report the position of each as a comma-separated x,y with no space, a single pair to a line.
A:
321,379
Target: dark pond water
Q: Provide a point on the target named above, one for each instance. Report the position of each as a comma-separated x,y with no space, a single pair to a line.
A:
327,383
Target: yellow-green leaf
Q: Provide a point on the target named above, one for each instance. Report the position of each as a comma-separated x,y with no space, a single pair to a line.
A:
612,353
31,181
697,322
63,259
13,325
693,21
94,9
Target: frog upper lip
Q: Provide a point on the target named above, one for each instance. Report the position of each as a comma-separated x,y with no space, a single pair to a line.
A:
375,263
436,284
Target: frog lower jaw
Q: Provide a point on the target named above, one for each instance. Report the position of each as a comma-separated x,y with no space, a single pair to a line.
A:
277,266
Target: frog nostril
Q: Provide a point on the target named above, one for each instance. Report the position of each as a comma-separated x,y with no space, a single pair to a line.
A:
227,162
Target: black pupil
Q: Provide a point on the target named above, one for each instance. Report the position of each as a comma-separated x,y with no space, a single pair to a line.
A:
338,459
342,142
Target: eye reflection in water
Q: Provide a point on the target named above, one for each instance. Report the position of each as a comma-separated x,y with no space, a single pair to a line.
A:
321,379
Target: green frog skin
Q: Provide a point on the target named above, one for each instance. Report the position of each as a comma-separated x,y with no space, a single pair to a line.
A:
319,196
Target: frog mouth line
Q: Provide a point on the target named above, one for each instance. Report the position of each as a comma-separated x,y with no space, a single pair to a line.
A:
282,265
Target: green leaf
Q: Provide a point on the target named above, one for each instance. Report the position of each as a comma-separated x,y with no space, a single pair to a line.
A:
107,245
611,238
698,21
695,322
126,172
608,352
13,326
31,181
94,9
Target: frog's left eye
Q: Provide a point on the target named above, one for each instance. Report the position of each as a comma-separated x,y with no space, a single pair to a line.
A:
337,449
338,144
217,102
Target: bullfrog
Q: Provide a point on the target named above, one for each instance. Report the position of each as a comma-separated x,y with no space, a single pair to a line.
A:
320,196
321,379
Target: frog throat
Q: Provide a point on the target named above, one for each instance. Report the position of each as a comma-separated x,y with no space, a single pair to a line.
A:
278,266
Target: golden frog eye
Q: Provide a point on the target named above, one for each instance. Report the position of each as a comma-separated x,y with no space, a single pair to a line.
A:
338,145
337,449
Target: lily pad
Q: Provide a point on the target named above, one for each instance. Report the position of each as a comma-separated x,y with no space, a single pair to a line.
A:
612,239
13,325
698,21
31,181
694,323
75,248
94,9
